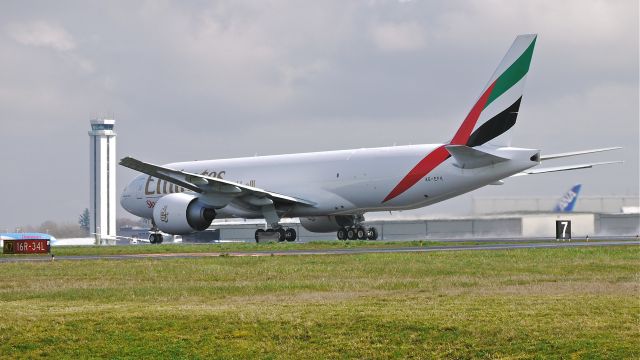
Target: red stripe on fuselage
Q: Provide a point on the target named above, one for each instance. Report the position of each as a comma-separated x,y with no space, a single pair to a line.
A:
439,155
435,158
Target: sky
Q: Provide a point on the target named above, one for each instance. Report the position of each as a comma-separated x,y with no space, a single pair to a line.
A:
190,80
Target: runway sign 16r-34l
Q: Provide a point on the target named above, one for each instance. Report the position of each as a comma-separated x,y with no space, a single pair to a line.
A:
26,246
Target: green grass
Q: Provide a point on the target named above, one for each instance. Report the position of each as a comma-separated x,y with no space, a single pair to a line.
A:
534,303
267,246
228,247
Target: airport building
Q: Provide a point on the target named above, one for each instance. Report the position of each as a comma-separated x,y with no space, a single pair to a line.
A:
103,163
493,218
531,225
524,204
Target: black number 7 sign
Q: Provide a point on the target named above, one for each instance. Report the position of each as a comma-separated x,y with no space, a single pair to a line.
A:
563,230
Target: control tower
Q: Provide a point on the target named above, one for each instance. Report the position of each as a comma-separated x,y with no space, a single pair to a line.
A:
102,149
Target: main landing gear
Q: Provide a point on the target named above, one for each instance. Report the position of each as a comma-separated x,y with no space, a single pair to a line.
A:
280,234
275,231
357,233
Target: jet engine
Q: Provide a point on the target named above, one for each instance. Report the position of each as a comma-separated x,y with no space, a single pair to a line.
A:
329,223
181,214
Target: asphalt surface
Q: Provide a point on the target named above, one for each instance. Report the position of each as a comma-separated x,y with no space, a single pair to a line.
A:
328,251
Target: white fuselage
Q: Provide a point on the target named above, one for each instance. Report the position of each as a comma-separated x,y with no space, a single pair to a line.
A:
337,182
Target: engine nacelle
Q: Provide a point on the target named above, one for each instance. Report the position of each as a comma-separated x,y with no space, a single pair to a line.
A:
329,223
180,214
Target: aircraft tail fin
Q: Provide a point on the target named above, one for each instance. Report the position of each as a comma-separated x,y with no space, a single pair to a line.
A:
495,112
568,201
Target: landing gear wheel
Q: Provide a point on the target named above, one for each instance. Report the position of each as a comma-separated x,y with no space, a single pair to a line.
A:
351,234
372,233
342,233
259,233
361,233
281,234
269,233
155,238
290,234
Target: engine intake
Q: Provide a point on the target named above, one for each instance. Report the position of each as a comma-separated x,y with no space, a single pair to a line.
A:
329,223
181,214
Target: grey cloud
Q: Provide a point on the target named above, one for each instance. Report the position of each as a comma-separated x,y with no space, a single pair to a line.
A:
406,36
194,80
39,33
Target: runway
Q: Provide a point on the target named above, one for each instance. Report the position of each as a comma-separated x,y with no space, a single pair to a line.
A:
424,249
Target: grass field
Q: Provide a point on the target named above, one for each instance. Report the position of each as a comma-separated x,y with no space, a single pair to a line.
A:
228,247
250,246
535,303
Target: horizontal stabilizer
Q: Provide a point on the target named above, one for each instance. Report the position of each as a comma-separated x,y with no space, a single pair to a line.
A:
471,158
575,153
564,168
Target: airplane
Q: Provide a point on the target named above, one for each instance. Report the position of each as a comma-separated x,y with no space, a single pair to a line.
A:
74,241
52,239
568,201
150,237
332,190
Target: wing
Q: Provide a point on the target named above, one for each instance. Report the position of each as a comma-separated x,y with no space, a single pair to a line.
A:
564,168
213,186
129,238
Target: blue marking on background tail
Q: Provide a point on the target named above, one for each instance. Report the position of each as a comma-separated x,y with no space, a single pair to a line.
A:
568,201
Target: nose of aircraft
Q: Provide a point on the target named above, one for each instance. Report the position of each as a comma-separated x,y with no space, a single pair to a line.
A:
133,200
126,196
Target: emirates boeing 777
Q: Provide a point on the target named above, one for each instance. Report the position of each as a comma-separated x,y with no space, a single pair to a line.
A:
332,190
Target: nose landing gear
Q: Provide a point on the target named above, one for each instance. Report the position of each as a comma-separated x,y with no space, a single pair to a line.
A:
155,238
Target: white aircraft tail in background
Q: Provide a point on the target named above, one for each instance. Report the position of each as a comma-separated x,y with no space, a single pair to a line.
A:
568,201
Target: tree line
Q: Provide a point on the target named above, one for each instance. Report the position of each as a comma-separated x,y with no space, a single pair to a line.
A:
62,230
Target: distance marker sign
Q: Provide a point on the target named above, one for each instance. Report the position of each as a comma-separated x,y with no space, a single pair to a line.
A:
563,230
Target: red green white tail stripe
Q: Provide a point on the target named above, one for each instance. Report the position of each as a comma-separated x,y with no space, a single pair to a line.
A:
503,95
489,120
